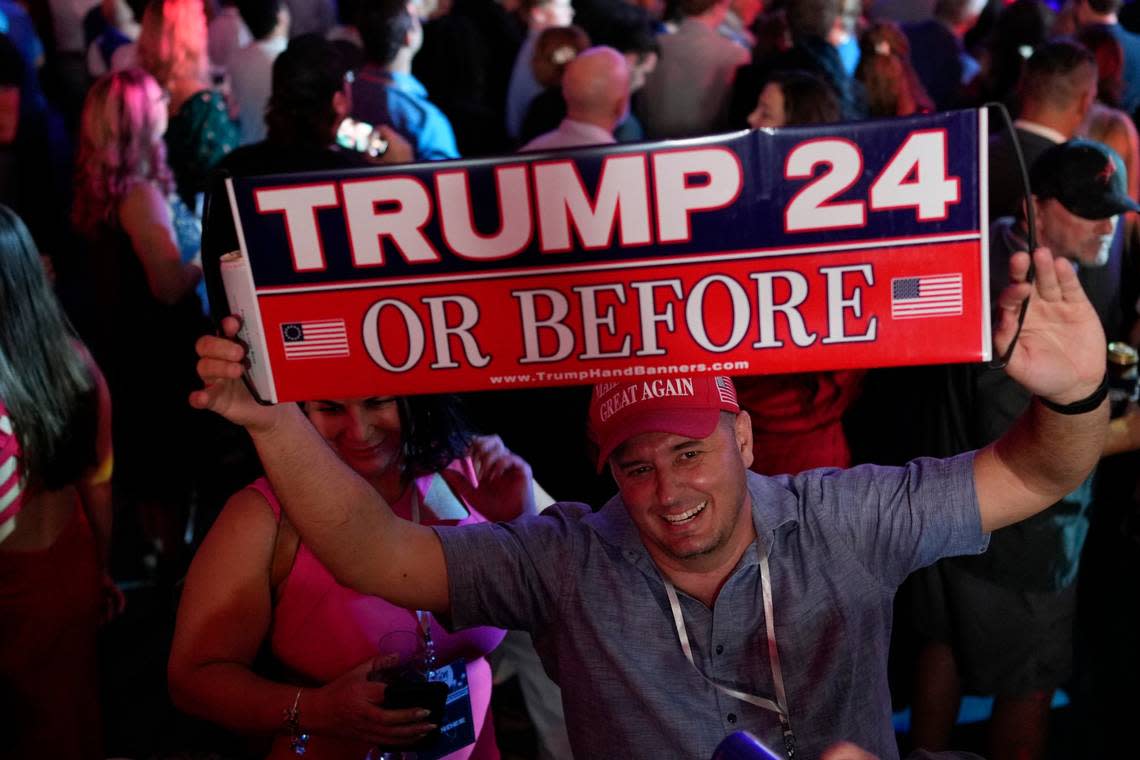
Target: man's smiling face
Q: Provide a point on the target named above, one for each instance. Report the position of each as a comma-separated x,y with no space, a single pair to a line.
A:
688,497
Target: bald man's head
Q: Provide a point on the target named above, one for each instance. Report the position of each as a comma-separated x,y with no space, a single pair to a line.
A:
596,87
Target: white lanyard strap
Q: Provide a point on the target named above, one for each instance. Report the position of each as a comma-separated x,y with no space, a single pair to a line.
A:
770,624
780,705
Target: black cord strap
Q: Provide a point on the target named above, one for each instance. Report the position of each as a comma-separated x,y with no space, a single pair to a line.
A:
1031,232
1087,404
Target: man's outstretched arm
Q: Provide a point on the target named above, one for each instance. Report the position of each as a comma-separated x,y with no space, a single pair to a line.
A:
338,515
1060,356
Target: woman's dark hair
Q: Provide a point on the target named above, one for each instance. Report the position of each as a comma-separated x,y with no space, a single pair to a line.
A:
433,432
45,381
1019,29
807,98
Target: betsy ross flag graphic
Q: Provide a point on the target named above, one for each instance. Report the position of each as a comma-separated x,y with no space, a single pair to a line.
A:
935,295
315,339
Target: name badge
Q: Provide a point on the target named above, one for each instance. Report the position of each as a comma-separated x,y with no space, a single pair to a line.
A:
457,729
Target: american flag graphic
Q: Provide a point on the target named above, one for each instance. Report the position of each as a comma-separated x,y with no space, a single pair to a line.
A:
727,391
933,295
315,339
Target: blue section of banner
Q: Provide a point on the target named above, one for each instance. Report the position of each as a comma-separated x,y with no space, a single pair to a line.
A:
754,220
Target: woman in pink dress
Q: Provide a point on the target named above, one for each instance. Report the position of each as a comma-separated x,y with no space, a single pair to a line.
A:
253,582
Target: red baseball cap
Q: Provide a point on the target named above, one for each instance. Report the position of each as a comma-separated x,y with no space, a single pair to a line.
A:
688,406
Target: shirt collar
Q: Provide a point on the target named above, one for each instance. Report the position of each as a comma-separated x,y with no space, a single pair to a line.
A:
774,510
774,507
1040,130
274,45
591,132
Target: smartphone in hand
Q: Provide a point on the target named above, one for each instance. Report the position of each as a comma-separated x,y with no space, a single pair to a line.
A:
361,137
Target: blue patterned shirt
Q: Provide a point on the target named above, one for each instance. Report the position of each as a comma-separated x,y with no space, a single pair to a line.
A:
841,541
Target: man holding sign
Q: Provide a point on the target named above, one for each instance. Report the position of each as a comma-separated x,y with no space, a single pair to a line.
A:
704,599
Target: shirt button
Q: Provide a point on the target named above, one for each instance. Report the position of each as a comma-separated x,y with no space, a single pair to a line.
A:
732,717
720,648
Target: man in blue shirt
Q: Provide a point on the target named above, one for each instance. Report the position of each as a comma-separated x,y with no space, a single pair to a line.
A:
385,92
705,599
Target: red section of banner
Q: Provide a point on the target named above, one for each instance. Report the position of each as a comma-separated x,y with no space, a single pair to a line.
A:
865,308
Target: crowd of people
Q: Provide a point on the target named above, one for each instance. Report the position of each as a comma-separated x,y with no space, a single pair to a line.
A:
798,555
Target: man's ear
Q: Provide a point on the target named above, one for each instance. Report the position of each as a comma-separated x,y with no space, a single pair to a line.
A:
1088,97
742,428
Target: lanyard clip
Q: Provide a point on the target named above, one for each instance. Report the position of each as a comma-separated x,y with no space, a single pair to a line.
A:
789,738
429,659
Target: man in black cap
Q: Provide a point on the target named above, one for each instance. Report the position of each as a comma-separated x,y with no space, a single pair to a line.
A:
1002,622
1079,193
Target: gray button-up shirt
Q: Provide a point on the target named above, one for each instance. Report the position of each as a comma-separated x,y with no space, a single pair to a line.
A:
840,543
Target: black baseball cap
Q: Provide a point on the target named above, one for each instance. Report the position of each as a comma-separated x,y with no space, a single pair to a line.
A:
1085,177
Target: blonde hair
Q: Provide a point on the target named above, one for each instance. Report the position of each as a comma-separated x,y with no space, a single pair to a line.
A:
172,41
120,144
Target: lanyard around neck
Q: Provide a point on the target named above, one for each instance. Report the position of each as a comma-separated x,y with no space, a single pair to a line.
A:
780,705
384,77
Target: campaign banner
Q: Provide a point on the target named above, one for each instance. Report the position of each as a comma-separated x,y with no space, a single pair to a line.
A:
811,248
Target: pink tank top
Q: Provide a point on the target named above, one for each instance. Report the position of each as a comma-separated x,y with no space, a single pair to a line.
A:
321,629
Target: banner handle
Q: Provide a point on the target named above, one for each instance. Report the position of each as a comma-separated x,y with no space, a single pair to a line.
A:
1030,221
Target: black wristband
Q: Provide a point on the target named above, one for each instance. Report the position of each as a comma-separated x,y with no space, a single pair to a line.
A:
1087,404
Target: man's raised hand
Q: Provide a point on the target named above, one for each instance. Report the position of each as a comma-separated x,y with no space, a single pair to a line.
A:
1060,353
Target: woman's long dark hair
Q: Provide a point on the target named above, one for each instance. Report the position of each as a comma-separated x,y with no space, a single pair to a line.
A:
44,379
807,98
433,432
